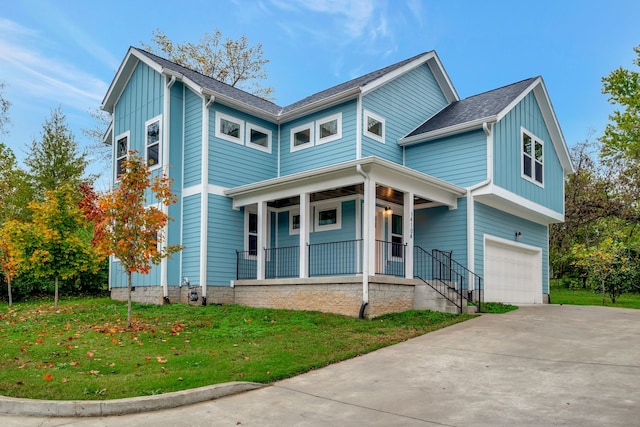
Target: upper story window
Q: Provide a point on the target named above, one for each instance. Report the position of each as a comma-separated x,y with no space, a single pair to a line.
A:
229,128
329,129
122,151
259,138
374,126
301,137
152,136
532,158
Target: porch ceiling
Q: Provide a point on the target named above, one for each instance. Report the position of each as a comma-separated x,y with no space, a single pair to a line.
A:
343,179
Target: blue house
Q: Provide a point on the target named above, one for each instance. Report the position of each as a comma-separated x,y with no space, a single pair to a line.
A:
383,193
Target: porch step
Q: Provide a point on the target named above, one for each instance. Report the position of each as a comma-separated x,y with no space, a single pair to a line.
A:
426,298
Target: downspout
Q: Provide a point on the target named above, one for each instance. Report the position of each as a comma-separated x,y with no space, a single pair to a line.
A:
204,201
166,118
488,130
365,252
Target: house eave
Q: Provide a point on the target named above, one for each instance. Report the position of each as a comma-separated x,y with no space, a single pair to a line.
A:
507,201
444,132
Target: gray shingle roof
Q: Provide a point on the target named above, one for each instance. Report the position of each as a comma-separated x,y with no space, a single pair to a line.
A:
267,106
475,107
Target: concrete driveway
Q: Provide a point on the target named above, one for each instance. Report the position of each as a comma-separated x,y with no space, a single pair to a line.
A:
544,365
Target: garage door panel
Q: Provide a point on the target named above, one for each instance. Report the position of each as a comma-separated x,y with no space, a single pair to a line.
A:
513,274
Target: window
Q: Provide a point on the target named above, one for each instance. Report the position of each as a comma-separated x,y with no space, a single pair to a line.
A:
152,136
374,126
397,250
252,233
122,151
532,158
328,217
294,222
301,137
229,128
259,138
329,129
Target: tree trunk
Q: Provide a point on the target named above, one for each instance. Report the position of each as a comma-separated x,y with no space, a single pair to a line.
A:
55,298
129,325
9,290
604,295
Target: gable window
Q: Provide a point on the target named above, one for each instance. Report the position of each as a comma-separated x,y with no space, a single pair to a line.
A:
328,217
152,136
396,236
532,158
329,129
301,137
374,126
259,138
122,151
229,128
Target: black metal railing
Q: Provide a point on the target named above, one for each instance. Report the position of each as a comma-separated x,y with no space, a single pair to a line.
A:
390,258
282,262
447,277
246,265
335,258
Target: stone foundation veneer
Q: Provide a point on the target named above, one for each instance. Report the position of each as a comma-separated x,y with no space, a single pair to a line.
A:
339,295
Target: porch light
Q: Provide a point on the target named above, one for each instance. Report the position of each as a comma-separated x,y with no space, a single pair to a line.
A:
518,235
387,208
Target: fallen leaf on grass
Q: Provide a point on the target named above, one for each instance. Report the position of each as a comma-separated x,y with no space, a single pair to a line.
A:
94,372
48,377
89,354
161,360
64,380
74,363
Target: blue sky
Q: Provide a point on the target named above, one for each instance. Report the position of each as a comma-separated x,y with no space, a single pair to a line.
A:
66,52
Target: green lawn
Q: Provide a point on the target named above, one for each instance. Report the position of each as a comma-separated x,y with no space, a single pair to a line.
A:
85,351
560,295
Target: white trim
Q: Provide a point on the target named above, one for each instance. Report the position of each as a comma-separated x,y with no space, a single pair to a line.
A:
365,130
359,128
126,134
250,210
448,131
534,139
338,135
294,212
216,190
298,129
267,149
219,134
159,142
504,200
204,196
323,207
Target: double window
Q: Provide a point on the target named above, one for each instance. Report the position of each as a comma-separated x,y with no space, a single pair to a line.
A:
233,130
532,158
319,132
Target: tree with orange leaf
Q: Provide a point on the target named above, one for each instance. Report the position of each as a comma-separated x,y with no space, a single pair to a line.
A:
130,226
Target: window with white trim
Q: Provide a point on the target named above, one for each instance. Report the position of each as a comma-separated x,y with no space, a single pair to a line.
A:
397,250
229,128
251,224
301,137
328,216
259,138
153,133
374,126
329,128
122,152
294,221
532,158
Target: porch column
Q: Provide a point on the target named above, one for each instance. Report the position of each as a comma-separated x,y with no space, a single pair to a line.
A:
407,234
369,229
263,216
305,225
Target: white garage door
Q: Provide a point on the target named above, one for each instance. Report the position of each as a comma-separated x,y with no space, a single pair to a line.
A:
512,273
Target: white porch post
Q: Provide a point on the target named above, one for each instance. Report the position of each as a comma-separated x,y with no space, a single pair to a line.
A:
369,231
305,225
263,216
407,234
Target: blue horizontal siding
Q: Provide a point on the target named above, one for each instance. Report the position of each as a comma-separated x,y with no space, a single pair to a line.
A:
191,232
458,159
225,236
192,139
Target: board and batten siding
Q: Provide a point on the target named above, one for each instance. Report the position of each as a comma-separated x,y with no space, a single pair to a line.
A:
225,236
443,229
192,139
191,238
501,224
404,103
232,164
458,159
315,156
507,155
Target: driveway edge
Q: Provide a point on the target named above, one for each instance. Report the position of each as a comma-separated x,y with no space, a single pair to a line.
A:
132,405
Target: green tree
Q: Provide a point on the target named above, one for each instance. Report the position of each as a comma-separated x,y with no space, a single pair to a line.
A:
130,227
233,62
55,160
622,135
56,244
